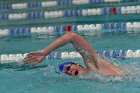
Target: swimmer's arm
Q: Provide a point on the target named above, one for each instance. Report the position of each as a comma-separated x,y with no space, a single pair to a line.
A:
88,54
81,45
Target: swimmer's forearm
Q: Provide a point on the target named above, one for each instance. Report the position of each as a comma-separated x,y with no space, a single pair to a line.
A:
63,40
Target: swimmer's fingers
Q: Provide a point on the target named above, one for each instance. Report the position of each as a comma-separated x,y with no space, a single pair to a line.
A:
37,53
26,61
36,62
29,59
34,58
31,54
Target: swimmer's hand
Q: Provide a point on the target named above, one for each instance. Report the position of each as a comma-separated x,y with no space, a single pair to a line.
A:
34,57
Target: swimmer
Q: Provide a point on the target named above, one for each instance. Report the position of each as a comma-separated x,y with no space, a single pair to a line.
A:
91,59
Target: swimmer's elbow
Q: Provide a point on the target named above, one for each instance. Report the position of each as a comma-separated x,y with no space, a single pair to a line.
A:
72,35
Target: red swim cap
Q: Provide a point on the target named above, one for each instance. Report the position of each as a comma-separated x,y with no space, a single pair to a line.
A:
68,28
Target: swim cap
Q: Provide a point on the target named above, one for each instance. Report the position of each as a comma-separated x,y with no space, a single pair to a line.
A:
59,68
68,28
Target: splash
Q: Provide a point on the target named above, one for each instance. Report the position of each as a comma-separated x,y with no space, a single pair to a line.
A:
131,69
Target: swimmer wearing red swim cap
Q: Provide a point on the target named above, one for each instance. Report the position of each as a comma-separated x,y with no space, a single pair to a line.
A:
92,60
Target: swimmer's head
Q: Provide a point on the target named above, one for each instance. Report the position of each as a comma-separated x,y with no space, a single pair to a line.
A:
71,68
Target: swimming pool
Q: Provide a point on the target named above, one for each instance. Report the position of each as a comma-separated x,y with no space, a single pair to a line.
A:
19,78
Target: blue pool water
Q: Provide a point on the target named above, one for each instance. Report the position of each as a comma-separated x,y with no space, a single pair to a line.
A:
18,78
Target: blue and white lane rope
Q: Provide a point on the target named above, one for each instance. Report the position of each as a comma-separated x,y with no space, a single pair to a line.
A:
71,13
26,5
85,29
7,58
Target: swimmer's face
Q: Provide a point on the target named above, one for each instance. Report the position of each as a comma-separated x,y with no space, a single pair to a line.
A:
73,69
